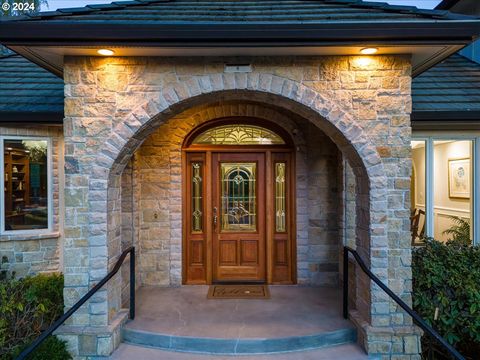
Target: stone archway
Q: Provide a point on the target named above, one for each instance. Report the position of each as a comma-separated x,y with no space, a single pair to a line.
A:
360,163
97,161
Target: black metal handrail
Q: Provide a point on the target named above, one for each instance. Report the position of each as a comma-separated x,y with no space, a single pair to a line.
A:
417,318
88,295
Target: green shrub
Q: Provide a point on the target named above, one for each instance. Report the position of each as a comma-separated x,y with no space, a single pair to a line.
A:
27,307
459,231
51,349
446,280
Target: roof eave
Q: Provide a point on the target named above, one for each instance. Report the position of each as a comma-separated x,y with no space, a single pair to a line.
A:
81,33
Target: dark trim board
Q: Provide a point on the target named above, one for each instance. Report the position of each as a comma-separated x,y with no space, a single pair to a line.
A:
21,118
453,116
453,125
445,120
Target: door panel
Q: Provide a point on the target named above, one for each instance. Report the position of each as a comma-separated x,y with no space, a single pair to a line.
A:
239,216
248,252
227,253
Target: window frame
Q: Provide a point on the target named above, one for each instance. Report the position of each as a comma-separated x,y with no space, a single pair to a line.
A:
49,229
430,138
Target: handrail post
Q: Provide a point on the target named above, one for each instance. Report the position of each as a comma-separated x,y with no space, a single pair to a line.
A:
345,283
23,355
132,283
416,317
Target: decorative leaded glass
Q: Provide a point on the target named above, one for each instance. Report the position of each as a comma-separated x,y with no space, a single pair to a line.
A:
197,197
280,202
238,135
239,202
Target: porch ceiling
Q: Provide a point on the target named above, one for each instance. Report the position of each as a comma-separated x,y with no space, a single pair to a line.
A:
229,28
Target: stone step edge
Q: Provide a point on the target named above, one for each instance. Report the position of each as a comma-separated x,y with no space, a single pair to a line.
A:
238,346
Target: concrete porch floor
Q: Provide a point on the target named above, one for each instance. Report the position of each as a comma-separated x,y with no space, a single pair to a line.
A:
291,311
295,320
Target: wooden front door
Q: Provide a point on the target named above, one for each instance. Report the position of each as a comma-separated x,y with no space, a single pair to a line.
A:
238,204
238,207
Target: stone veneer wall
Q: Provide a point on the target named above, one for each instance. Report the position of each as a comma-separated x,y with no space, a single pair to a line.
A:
31,254
323,160
362,104
156,170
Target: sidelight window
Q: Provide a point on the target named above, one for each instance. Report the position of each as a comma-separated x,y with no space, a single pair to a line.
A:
197,197
280,197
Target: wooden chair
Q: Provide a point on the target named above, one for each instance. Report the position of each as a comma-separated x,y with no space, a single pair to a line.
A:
415,216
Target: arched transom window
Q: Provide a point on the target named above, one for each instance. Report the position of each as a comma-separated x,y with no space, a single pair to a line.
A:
238,134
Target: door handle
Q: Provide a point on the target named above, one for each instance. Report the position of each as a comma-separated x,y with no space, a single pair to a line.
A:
215,217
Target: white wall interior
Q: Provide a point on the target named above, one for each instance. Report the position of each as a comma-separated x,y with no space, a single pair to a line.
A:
444,205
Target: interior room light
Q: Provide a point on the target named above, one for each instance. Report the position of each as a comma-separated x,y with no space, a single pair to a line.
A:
369,51
105,52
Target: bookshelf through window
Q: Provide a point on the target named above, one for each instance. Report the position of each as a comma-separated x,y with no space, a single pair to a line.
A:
25,184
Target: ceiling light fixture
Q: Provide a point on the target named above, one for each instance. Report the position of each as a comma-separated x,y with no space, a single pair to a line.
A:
369,51
105,52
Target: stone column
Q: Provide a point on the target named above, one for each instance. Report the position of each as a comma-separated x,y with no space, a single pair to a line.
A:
95,328
385,112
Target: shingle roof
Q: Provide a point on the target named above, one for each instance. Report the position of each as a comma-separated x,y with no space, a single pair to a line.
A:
262,11
452,85
27,88
446,4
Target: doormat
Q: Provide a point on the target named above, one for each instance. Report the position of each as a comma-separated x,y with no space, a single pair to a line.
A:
238,292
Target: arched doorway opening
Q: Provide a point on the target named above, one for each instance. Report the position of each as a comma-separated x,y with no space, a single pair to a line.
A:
239,203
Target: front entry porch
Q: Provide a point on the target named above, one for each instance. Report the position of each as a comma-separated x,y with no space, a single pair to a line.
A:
349,186
295,319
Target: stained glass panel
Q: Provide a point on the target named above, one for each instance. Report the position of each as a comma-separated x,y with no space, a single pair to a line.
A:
238,135
238,206
280,200
197,197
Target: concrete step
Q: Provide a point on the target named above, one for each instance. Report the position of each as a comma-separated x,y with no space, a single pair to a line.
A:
238,346
341,352
183,319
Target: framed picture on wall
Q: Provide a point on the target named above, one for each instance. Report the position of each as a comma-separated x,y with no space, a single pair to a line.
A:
459,178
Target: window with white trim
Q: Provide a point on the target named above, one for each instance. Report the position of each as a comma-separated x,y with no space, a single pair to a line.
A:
444,188
25,196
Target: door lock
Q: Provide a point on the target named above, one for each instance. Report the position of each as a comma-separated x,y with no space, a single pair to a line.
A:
214,216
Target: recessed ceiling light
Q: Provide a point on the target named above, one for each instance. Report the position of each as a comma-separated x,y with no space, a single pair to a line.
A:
369,51
105,52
